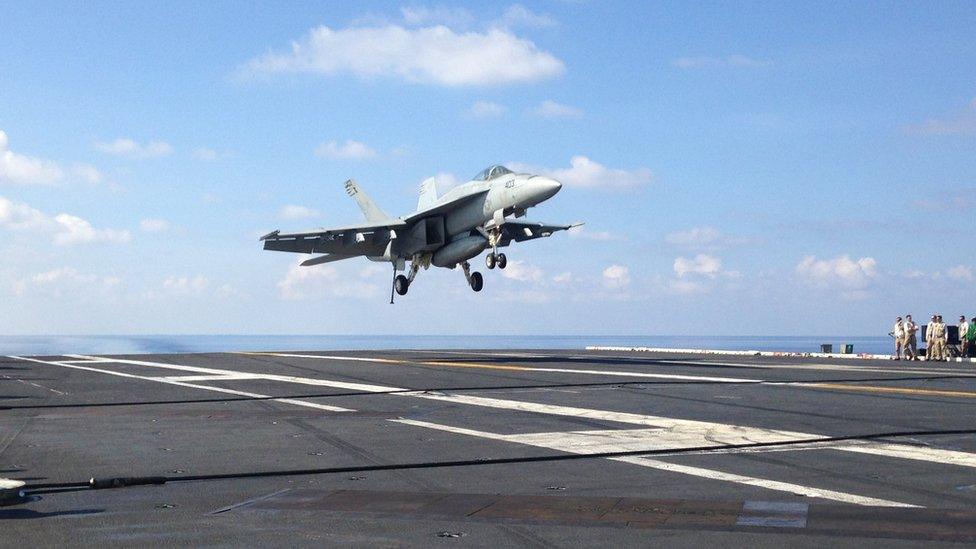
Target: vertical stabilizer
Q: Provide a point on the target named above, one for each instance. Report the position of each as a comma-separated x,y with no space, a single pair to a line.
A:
366,204
428,195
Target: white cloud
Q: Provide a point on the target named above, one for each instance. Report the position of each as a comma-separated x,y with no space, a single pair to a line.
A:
184,285
580,231
486,109
585,173
551,109
292,211
727,61
518,15
89,173
419,15
616,277
127,147
960,272
960,123
64,229
702,264
57,281
703,238
350,150
686,287
75,230
197,286
563,278
432,55
840,271
321,281
204,153
523,272
25,170
151,225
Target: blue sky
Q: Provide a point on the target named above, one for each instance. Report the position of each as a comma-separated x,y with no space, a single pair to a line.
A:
760,169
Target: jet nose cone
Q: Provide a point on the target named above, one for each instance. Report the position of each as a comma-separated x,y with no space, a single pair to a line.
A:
547,187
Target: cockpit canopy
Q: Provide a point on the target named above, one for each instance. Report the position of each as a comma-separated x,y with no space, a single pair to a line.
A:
492,172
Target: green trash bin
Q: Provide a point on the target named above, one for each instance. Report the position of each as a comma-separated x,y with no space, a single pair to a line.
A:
847,348
826,348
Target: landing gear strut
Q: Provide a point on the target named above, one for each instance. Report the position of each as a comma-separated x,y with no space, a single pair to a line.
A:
494,258
474,278
402,283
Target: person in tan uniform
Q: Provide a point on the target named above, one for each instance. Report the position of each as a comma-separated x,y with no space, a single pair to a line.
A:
929,347
946,351
937,332
898,332
909,344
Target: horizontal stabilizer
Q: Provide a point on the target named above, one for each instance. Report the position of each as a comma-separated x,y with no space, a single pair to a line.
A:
520,231
329,258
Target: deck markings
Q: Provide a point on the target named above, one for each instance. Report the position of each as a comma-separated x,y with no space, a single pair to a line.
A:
77,366
892,390
613,373
513,367
659,432
584,442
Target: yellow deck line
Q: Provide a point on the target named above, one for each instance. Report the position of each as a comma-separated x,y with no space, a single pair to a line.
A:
893,390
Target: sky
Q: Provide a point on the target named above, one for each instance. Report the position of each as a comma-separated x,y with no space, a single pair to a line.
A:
741,168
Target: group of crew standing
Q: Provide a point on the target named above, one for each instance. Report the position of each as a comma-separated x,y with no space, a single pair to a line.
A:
936,339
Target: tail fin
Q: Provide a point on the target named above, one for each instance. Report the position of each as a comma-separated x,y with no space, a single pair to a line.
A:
428,194
366,204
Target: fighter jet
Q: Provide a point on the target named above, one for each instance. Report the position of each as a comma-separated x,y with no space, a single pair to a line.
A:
445,231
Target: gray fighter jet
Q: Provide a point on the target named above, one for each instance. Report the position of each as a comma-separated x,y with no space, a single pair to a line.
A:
445,231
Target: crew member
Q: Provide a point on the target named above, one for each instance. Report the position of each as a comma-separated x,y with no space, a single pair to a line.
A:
963,342
971,336
937,332
899,334
929,345
909,345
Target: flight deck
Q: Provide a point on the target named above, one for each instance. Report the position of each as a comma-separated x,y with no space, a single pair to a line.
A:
485,448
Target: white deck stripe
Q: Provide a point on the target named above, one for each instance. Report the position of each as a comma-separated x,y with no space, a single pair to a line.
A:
533,369
585,442
762,483
238,377
189,385
717,433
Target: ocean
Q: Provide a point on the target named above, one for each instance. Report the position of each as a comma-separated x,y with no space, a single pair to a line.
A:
138,344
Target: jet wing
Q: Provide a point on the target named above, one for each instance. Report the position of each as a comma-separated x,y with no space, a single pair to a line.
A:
520,231
355,240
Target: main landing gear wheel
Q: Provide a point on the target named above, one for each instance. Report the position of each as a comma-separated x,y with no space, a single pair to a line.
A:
401,284
490,260
477,282
501,260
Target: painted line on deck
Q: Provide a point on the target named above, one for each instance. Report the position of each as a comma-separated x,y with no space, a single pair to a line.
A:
673,430
188,385
518,368
614,373
585,442
891,390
